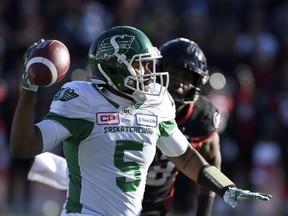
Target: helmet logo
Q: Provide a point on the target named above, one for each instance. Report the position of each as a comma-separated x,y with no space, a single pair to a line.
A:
117,46
191,49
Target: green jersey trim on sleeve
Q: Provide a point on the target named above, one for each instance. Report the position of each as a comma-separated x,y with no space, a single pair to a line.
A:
80,129
167,127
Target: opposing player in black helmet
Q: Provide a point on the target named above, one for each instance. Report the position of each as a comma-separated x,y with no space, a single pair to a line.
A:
196,117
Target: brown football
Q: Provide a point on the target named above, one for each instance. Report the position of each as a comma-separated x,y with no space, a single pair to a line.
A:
48,63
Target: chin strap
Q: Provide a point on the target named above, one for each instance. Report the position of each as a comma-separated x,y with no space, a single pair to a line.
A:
139,96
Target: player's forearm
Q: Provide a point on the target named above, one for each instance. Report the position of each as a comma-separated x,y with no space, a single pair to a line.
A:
194,166
190,163
25,139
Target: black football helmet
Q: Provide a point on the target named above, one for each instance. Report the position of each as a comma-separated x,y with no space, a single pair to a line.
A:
186,64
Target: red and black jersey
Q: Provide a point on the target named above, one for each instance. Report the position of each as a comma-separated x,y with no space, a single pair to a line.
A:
198,122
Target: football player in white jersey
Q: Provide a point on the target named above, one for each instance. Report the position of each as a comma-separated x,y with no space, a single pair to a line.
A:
110,129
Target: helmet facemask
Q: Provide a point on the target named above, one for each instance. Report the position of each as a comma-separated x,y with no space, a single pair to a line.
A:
185,85
144,80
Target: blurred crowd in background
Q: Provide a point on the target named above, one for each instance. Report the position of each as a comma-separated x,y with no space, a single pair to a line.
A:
246,45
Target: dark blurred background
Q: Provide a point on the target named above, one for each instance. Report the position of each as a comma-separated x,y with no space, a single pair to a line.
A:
246,45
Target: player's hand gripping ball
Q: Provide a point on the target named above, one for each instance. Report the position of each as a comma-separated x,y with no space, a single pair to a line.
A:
47,62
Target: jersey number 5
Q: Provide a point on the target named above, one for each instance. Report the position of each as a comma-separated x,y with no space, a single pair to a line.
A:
121,146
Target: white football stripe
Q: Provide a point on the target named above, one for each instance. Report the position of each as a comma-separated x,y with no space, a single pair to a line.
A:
46,62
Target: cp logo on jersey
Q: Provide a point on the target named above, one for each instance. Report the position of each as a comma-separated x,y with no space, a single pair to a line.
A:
107,118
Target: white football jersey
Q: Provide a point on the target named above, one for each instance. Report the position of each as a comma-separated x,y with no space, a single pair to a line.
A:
112,144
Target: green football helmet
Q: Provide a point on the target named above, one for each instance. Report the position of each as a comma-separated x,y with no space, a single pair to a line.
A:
113,54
